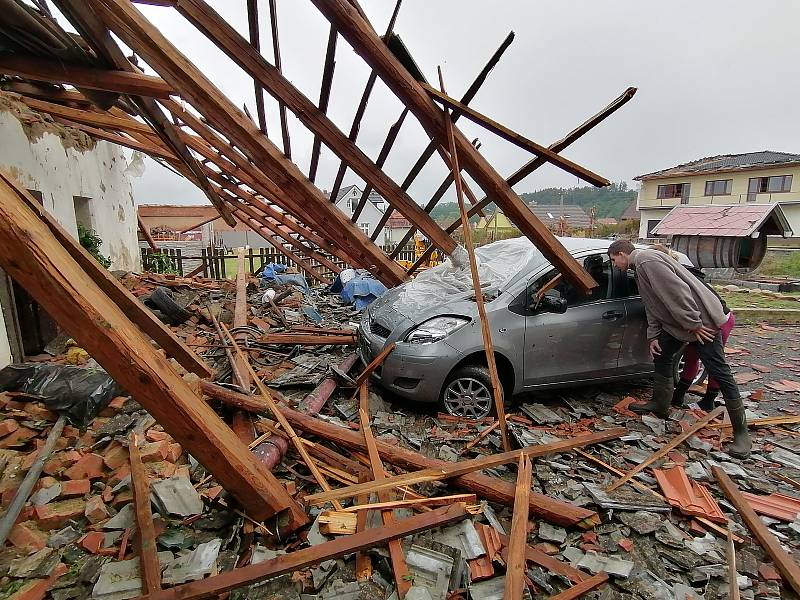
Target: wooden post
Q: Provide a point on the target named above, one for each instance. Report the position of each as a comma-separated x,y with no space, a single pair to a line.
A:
488,346
34,257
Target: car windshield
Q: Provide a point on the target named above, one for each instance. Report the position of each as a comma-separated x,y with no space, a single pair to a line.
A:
498,263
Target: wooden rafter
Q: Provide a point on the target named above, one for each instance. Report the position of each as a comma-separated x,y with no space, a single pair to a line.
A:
224,36
324,97
255,40
195,87
357,31
276,53
108,80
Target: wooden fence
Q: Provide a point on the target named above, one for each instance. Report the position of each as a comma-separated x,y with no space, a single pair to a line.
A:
219,263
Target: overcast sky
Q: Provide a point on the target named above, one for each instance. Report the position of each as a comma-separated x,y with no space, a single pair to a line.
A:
714,77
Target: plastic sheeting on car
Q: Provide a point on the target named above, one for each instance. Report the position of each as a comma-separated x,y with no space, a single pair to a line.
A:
498,262
76,392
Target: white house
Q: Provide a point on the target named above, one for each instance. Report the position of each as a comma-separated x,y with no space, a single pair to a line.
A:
77,180
347,201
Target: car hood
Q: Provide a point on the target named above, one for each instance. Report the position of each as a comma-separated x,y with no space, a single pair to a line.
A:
392,310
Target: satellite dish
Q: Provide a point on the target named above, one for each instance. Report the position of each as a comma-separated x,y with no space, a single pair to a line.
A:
550,215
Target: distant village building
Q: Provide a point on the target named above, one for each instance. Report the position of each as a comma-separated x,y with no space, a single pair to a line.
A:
631,213
79,181
550,214
764,177
372,213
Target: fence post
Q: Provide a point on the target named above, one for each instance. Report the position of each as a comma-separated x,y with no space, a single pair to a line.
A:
180,261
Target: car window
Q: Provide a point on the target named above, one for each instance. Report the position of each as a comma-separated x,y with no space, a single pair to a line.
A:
597,265
624,284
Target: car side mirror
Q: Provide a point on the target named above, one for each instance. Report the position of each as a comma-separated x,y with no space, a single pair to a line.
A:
553,304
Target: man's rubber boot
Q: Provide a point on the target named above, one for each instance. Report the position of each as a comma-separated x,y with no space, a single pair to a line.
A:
680,392
662,396
707,403
740,448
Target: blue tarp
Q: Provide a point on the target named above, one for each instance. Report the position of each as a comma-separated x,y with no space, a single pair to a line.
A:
362,290
272,272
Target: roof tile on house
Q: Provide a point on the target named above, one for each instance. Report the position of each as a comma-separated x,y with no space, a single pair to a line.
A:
549,214
740,220
726,162
398,223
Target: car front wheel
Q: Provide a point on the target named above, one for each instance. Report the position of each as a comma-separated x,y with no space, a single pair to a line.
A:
467,393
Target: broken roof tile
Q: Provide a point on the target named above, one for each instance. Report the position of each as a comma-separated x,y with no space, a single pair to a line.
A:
687,495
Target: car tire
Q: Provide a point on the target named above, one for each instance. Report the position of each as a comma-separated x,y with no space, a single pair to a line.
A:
677,367
467,393
162,300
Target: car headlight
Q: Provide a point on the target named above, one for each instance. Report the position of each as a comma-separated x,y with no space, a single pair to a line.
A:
435,330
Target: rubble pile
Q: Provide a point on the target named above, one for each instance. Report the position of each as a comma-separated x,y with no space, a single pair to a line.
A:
662,535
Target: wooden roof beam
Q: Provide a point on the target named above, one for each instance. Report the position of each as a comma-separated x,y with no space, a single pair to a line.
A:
366,43
107,80
324,97
202,16
98,36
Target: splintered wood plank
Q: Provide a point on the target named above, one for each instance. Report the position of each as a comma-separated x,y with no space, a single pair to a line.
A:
300,559
785,564
374,364
518,539
37,260
449,470
584,587
665,449
396,557
486,332
145,529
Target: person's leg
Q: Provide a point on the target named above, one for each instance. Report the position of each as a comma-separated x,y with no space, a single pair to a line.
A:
691,366
712,386
663,383
713,357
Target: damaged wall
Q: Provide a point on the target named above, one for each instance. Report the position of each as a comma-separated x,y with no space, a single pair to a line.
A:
75,177
78,178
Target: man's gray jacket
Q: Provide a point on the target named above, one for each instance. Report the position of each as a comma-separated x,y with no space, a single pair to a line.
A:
675,300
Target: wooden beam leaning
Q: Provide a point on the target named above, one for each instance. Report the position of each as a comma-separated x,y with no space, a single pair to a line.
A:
365,42
108,80
146,233
451,470
355,127
785,564
468,96
142,317
515,138
324,97
255,40
202,16
535,163
196,88
518,539
276,52
36,259
293,561
486,333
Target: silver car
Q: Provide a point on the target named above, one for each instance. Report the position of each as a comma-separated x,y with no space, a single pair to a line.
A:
545,334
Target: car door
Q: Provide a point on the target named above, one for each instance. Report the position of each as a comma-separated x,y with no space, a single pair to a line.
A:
582,343
635,354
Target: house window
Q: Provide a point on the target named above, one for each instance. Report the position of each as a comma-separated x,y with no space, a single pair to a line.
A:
719,187
37,195
768,185
674,190
651,225
364,227
83,211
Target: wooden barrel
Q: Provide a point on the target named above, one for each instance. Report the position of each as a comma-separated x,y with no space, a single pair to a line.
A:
714,252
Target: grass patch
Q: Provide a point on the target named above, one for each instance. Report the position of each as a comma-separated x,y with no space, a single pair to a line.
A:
742,300
781,265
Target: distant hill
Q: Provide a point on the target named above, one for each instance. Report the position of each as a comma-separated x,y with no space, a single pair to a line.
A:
610,201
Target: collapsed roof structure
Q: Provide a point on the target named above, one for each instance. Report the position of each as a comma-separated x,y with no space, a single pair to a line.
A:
218,147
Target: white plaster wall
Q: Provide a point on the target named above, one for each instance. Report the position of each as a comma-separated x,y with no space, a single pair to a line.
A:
43,163
61,173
